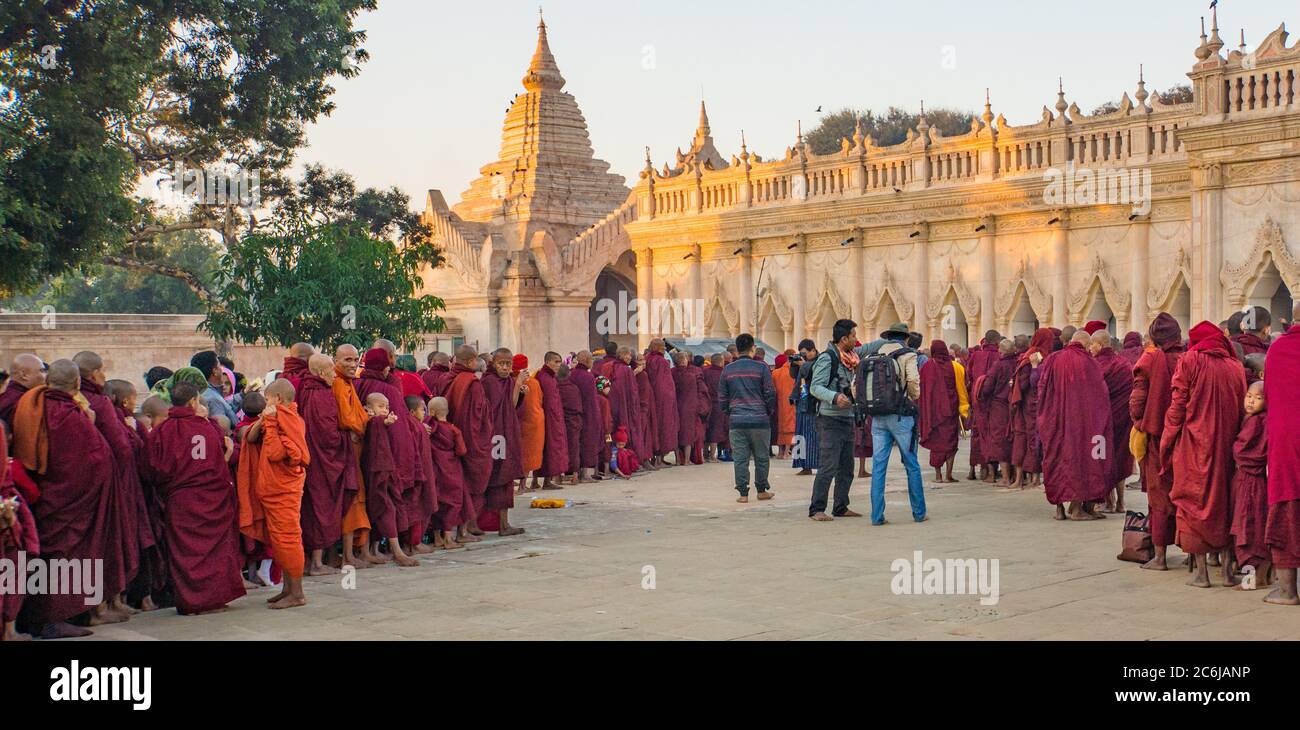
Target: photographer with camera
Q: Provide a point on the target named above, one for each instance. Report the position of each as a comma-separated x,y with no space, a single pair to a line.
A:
832,385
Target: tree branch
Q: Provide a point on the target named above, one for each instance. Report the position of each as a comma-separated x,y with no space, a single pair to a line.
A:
191,279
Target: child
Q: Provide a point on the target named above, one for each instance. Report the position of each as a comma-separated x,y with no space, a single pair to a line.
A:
623,462
1250,489
423,500
607,423
453,497
385,504
155,409
123,396
17,534
272,471
1254,366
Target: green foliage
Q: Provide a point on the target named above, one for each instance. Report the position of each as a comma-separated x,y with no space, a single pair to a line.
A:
1178,94
112,290
323,283
888,129
133,87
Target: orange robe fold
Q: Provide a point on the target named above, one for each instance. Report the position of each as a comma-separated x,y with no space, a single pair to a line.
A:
784,383
272,473
353,419
532,426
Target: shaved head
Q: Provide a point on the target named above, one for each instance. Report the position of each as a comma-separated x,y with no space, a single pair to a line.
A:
320,364
91,366
466,354
1081,337
1101,339
302,351
375,400
387,346
1067,332
64,375
348,360
281,389
26,370
583,358
119,391
1006,347
154,406
657,345
438,407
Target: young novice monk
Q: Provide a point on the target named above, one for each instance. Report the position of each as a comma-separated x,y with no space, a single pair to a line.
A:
385,503
423,500
272,471
623,461
1250,490
448,449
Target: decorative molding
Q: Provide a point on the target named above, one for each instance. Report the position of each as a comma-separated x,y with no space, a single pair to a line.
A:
1238,279
717,304
1040,300
888,289
828,294
968,300
1116,296
1160,295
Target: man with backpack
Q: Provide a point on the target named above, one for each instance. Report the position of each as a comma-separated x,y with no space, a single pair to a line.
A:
888,386
832,383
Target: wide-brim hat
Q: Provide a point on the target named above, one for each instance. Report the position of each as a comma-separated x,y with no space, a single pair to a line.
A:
898,328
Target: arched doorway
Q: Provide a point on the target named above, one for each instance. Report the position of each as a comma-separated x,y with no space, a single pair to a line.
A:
1023,318
1271,293
770,330
826,319
1099,309
886,317
953,328
612,309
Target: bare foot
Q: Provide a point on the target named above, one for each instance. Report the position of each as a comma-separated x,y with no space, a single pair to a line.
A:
405,561
422,549
821,517
1278,597
63,630
452,545
279,597
1156,563
314,570
359,564
147,604
1060,513
469,537
849,513
510,531
1199,581
289,602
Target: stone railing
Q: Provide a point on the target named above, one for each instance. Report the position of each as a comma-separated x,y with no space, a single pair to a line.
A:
598,246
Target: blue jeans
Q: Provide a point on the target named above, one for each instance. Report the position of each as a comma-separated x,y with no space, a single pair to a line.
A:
885,432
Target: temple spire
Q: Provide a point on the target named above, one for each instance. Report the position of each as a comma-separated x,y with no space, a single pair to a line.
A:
543,72
703,133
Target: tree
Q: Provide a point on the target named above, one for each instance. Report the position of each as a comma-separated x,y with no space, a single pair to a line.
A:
1178,94
324,283
887,129
101,95
93,288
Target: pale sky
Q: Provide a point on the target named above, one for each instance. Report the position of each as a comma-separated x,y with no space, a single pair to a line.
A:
426,110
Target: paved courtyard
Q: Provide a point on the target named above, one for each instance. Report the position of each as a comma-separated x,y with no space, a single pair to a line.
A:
758,571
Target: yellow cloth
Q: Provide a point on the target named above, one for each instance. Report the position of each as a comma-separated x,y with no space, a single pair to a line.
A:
963,398
1137,444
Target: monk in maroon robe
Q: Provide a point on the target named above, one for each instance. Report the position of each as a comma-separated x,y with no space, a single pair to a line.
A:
1118,375
555,454
593,433
687,403
665,399
995,401
981,360
625,399
130,519
385,497
25,373
188,466
421,501
571,400
1256,323
716,428
296,363
1133,348
649,411
331,471
939,412
1282,392
468,411
375,370
1074,425
17,535
1250,488
504,389
448,450
1153,379
1026,449
1203,420
438,376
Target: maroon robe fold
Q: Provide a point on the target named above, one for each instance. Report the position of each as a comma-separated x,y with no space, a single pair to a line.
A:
593,435
715,430
385,505
980,361
130,517
467,410
1026,449
293,370
453,494
571,401
1250,493
75,511
507,450
939,415
1074,427
401,435
625,403
1132,348
422,500
665,400
1282,393
21,537
436,379
1251,343
555,454
1152,392
331,471
1118,375
995,403
1204,418
649,410
187,465
686,389
9,398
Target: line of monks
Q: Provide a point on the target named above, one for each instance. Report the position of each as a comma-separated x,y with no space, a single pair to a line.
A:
356,460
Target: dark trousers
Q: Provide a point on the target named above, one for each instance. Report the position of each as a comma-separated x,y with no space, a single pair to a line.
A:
835,458
749,443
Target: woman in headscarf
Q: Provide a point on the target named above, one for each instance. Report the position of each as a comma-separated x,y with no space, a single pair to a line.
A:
193,376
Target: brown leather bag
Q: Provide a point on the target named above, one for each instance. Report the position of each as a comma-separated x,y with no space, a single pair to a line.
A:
1136,541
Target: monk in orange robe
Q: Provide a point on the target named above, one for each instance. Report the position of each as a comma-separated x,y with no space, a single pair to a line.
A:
783,428
532,425
353,419
272,472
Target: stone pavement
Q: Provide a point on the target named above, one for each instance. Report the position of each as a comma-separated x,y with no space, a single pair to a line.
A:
757,571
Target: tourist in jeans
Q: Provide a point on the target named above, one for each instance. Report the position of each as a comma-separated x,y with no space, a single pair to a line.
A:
747,395
832,381
887,430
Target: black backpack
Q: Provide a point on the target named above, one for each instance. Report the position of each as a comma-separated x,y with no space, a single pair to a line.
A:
880,385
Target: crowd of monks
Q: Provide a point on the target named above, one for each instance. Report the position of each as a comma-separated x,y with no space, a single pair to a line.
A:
210,485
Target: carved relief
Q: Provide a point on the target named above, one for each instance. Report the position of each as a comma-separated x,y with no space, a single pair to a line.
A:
718,305
968,300
828,295
876,300
1161,294
1239,279
1040,300
1116,296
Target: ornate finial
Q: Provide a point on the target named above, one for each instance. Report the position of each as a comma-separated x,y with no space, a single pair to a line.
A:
1215,41
541,18
1203,50
858,136
744,150
704,130
800,128
921,123
988,108
1242,47
543,72
1061,106
1142,94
